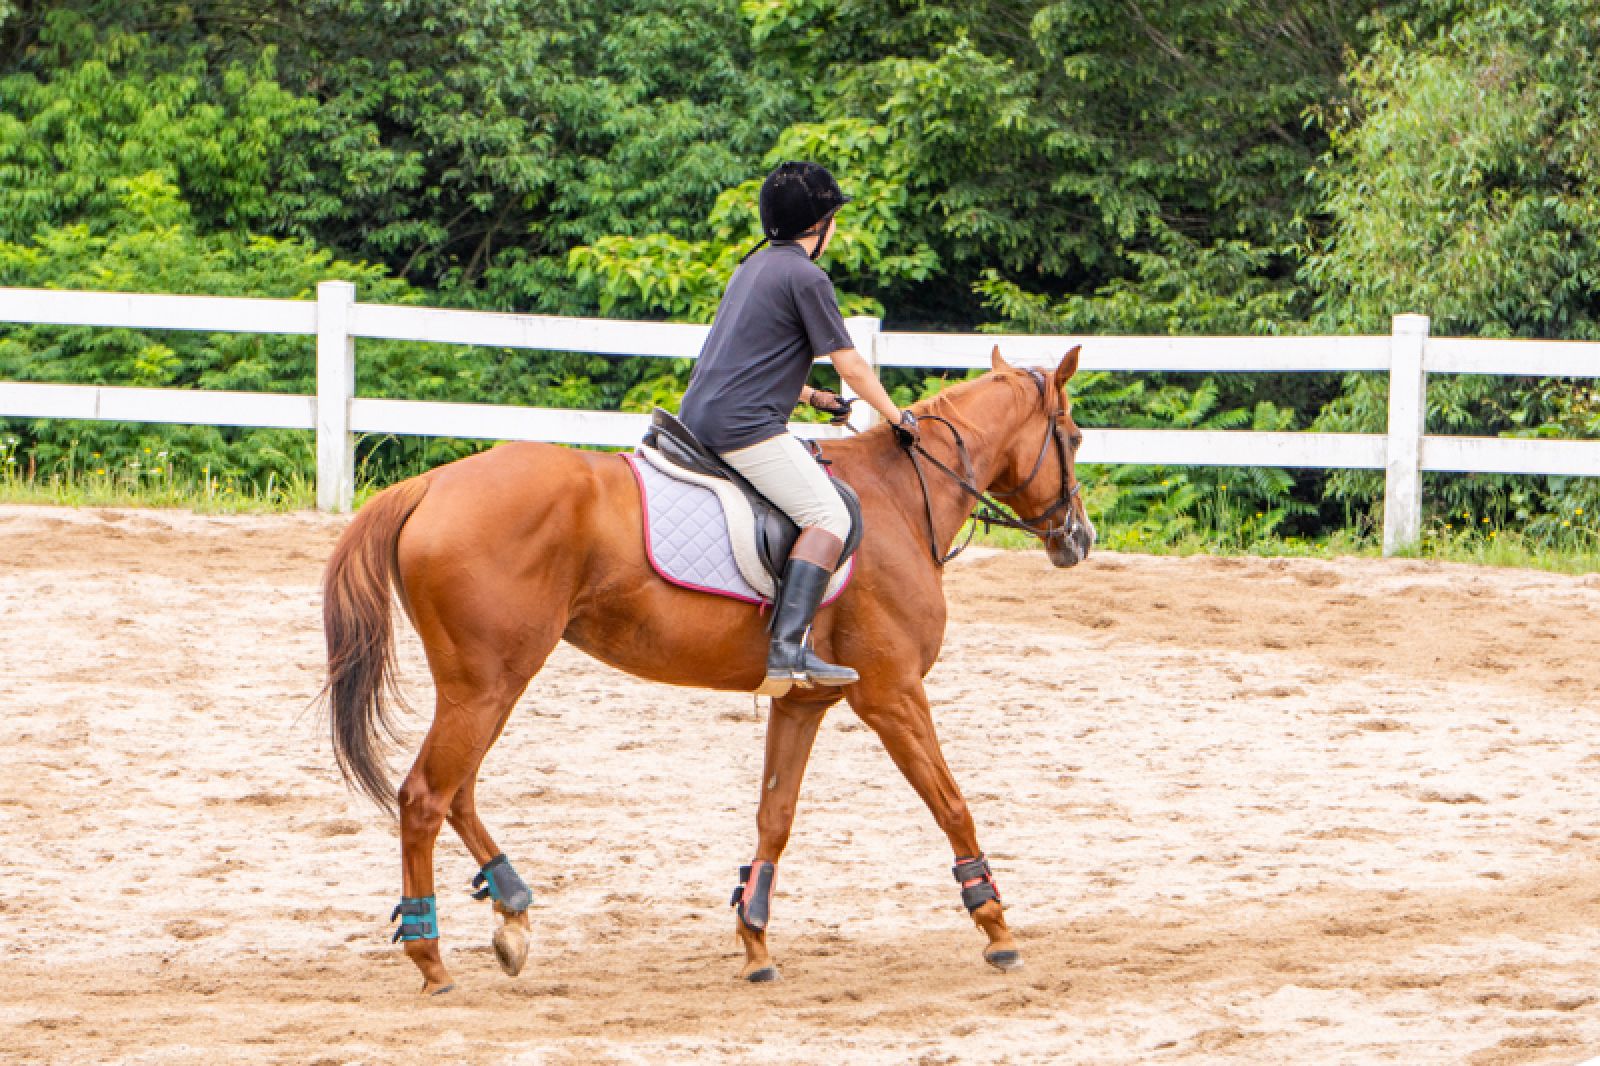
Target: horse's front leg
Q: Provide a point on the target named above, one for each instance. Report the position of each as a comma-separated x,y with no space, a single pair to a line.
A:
897,710
791,729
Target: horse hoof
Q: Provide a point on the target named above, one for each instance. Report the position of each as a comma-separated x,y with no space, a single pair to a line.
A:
431,989
763,976
1004,961
510,949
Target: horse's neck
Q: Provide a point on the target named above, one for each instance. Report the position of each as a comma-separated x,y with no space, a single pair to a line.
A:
985,416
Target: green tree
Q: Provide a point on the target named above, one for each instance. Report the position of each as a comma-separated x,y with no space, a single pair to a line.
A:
1462,182
113,107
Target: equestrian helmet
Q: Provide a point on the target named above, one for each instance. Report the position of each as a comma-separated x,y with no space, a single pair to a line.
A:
797,197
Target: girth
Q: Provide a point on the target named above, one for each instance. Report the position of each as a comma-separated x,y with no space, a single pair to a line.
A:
776,532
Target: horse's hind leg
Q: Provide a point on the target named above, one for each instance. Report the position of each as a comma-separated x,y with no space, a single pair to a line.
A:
461,732
897,710
511,897
472,708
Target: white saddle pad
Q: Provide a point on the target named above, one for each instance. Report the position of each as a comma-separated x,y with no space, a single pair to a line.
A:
699,533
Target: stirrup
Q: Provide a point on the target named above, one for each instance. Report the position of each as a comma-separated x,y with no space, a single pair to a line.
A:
775,687
801,667
781,679
848,677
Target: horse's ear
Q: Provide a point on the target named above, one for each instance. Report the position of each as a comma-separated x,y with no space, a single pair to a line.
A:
1068,367
997,361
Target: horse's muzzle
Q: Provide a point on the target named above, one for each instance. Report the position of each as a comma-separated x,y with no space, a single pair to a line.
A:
1072,546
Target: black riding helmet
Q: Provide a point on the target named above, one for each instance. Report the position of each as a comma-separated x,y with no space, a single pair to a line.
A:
796,198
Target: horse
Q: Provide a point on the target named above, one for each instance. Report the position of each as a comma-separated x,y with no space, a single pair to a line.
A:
497,557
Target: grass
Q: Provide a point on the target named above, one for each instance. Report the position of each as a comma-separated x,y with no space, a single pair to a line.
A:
1504,549
1560,544
1202,542
1562,554
148,481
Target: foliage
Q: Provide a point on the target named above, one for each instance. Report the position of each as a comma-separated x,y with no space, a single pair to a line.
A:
1060,147
685,279
1146,507
987,144
80,478
69,144
150,243
1048,166
1492,229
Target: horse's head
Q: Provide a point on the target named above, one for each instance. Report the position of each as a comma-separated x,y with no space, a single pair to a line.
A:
1038,478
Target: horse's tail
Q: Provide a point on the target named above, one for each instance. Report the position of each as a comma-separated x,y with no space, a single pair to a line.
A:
361,690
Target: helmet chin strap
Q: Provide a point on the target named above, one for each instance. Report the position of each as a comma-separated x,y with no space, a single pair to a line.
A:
819,231
754,248
815,231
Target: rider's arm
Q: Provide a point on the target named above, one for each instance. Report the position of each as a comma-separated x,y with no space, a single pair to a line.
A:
857,373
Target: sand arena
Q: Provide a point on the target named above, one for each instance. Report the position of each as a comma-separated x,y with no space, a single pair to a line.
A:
1242,811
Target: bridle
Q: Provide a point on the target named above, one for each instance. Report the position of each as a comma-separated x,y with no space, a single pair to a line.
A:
990,511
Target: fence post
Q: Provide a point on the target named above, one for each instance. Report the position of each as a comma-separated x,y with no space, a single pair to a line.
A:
336,385
1408,408
864,332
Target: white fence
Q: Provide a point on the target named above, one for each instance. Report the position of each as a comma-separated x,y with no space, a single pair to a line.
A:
336,319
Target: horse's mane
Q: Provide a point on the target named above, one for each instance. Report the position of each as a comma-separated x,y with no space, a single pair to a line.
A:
945,406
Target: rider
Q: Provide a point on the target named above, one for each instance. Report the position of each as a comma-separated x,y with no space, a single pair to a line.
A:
779,315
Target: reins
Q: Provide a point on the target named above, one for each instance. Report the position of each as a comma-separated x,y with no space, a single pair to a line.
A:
989,511
962,480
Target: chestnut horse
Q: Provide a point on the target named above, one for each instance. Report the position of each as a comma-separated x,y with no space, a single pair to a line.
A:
499,556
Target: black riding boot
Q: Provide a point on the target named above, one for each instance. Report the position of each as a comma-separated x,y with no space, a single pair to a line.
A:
789,659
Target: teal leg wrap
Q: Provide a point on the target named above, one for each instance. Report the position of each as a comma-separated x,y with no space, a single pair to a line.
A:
419,919
498,881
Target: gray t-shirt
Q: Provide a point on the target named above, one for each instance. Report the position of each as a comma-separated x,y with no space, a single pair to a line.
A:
777,317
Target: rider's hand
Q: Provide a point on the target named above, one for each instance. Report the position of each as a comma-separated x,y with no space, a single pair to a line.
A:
831,403
905,430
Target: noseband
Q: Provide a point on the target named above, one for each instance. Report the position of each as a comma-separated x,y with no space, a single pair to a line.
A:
990,511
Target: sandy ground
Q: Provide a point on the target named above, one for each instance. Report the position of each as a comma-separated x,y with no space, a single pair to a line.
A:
1242,811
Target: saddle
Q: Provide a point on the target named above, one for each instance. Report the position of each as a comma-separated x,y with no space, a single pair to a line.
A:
669,446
